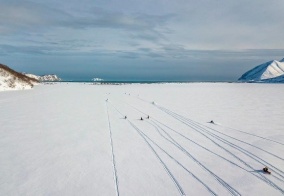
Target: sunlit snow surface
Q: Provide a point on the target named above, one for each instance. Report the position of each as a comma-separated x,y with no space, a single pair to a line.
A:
66,139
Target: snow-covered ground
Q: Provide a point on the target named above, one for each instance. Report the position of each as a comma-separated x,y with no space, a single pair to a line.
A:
66,139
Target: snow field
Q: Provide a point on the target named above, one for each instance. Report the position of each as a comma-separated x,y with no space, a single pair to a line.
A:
66,139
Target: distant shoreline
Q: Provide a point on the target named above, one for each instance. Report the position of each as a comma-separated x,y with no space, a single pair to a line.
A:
161,82
142,82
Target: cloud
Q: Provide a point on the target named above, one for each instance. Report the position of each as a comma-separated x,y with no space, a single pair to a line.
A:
30,15
171,33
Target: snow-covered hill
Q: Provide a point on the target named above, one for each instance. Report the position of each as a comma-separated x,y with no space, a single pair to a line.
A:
12,80
266,72
279,79
44,78
49,78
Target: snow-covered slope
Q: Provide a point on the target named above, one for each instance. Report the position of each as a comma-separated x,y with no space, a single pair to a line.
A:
49,78
264,72
44,78
32,76
279,79
12,80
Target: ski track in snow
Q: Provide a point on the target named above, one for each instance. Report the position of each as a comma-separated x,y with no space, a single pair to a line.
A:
208,150
156,154
243,142
201,126
161,161
182,166
251,134
219,180
230,189
223,126
223,141
112,155
235,163
200,129
265,180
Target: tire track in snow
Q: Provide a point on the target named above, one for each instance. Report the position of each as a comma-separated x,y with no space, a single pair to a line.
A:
112,155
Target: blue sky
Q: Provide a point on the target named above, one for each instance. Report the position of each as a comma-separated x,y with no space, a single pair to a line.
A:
195,40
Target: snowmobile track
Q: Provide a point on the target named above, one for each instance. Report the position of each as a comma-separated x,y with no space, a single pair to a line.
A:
161,161
195,127
156,154
112,155
259,177
208,150
252,135
218,179
201,130
194,176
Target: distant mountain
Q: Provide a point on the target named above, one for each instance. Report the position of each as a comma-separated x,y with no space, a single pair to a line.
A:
12,80
271,71
279,79
97,79
44,78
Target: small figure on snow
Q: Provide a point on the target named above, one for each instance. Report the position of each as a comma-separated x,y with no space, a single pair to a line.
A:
106,99
125,117
212,122
148,117
265,170
141,118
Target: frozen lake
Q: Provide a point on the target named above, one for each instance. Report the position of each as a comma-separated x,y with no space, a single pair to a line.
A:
72,139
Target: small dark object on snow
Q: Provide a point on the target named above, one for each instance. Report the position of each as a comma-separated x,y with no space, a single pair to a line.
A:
265,170
141,118
212,121
125,117
148,117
